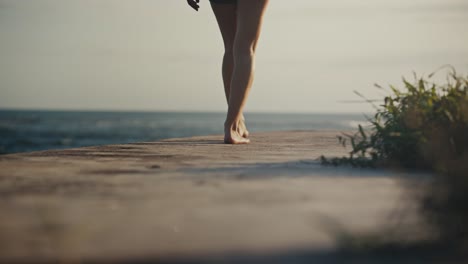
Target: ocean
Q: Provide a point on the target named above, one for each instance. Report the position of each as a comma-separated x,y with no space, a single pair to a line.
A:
29,130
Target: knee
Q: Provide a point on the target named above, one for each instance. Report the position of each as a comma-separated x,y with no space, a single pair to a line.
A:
228,53
244,49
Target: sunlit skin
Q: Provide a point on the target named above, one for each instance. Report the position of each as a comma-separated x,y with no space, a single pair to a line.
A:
240,25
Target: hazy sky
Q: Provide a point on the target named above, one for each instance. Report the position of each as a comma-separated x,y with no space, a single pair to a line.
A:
161,55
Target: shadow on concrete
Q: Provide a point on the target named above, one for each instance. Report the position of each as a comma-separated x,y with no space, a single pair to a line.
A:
300,168
196,142
304,256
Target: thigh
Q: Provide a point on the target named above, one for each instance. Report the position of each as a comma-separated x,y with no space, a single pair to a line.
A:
226,16
232,2
249,21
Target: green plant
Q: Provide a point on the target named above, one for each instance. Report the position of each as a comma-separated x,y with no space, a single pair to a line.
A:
423,126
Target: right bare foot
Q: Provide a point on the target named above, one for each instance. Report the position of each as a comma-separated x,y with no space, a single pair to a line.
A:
243,128
235,133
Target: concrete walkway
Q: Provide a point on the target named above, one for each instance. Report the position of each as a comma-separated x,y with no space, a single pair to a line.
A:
186,199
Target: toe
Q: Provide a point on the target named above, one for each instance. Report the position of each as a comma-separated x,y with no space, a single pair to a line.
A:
236,140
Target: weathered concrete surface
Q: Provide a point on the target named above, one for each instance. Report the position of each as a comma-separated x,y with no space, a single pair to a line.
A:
186,197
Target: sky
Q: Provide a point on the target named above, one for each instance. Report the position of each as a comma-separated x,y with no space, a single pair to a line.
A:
160,55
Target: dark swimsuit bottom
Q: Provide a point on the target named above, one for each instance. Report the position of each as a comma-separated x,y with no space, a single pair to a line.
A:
232,2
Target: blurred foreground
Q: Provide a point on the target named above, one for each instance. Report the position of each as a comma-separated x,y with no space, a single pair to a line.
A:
196,200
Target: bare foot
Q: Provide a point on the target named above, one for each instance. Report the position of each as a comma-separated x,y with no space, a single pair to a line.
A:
234,134
243,128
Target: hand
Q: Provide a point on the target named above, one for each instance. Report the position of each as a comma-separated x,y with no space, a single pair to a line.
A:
194,4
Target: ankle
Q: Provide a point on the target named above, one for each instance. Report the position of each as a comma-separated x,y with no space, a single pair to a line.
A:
231,125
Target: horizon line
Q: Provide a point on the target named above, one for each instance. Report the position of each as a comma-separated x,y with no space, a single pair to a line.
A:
173,111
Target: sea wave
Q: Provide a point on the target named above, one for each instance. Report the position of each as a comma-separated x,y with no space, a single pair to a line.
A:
22,131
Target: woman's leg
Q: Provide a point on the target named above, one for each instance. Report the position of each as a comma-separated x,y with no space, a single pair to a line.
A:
226,16
249,21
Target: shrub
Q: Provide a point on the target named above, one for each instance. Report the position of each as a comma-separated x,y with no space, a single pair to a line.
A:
423,126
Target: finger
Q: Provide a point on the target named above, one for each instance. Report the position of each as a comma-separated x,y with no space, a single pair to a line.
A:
193,4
